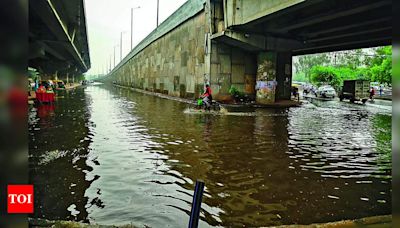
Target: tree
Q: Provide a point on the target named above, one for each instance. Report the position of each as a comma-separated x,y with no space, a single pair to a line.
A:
334,76
300,77
374,64
304,63
325,75
380,65
352,59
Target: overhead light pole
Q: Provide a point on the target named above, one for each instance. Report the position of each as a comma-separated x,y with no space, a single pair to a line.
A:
158,7
132,24
120,45
114,54
110,63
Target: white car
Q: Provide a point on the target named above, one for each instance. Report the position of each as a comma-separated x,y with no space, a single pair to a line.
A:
326,92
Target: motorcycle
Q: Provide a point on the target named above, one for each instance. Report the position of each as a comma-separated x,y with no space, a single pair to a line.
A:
199,104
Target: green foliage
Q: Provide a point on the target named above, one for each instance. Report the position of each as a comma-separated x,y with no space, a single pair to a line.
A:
306,62
335,76
354,64
352,59
300,77
380,65
235,92
326,75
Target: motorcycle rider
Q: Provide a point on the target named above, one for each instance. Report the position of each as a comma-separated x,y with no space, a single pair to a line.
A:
207,97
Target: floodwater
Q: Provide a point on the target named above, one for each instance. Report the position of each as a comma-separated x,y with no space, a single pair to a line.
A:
113,156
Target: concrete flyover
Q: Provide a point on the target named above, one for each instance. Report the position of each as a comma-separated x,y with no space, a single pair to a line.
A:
248,44
58,44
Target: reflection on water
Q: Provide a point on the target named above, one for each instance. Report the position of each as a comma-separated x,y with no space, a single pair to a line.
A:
113,156
58,147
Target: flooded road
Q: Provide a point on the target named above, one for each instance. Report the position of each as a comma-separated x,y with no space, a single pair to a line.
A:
113,156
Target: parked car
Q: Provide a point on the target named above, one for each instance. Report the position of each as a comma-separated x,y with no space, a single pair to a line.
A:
326,92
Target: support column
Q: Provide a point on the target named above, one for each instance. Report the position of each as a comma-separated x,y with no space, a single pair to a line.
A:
266,77
284,76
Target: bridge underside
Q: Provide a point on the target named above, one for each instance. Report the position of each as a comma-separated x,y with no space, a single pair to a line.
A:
58,45
274,31
323,26
248,44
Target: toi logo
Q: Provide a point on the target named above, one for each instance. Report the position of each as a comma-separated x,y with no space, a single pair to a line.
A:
20,199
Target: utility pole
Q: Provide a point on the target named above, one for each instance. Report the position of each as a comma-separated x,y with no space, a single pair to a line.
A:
158,7
110,63
120,45
114,53
132,25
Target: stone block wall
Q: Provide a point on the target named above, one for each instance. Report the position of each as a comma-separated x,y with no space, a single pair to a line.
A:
232,66
174,64
187,50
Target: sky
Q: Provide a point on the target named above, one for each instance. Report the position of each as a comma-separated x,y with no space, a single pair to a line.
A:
106,19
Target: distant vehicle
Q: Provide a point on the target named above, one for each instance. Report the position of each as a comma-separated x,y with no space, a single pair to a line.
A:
45,83
309,88
60,84
374,84
326,92
298,83
355,90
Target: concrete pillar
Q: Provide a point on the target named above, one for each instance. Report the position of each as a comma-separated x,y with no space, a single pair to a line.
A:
266,77
284,76
274,77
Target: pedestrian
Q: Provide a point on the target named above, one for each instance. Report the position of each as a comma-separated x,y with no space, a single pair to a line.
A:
380,90
314,91
295,92
371,93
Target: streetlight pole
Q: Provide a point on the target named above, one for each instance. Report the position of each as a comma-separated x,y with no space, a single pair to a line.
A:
132,25
114,53
120,45
158,7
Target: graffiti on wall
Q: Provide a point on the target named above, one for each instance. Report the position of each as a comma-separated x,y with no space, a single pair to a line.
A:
266,78
266,90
